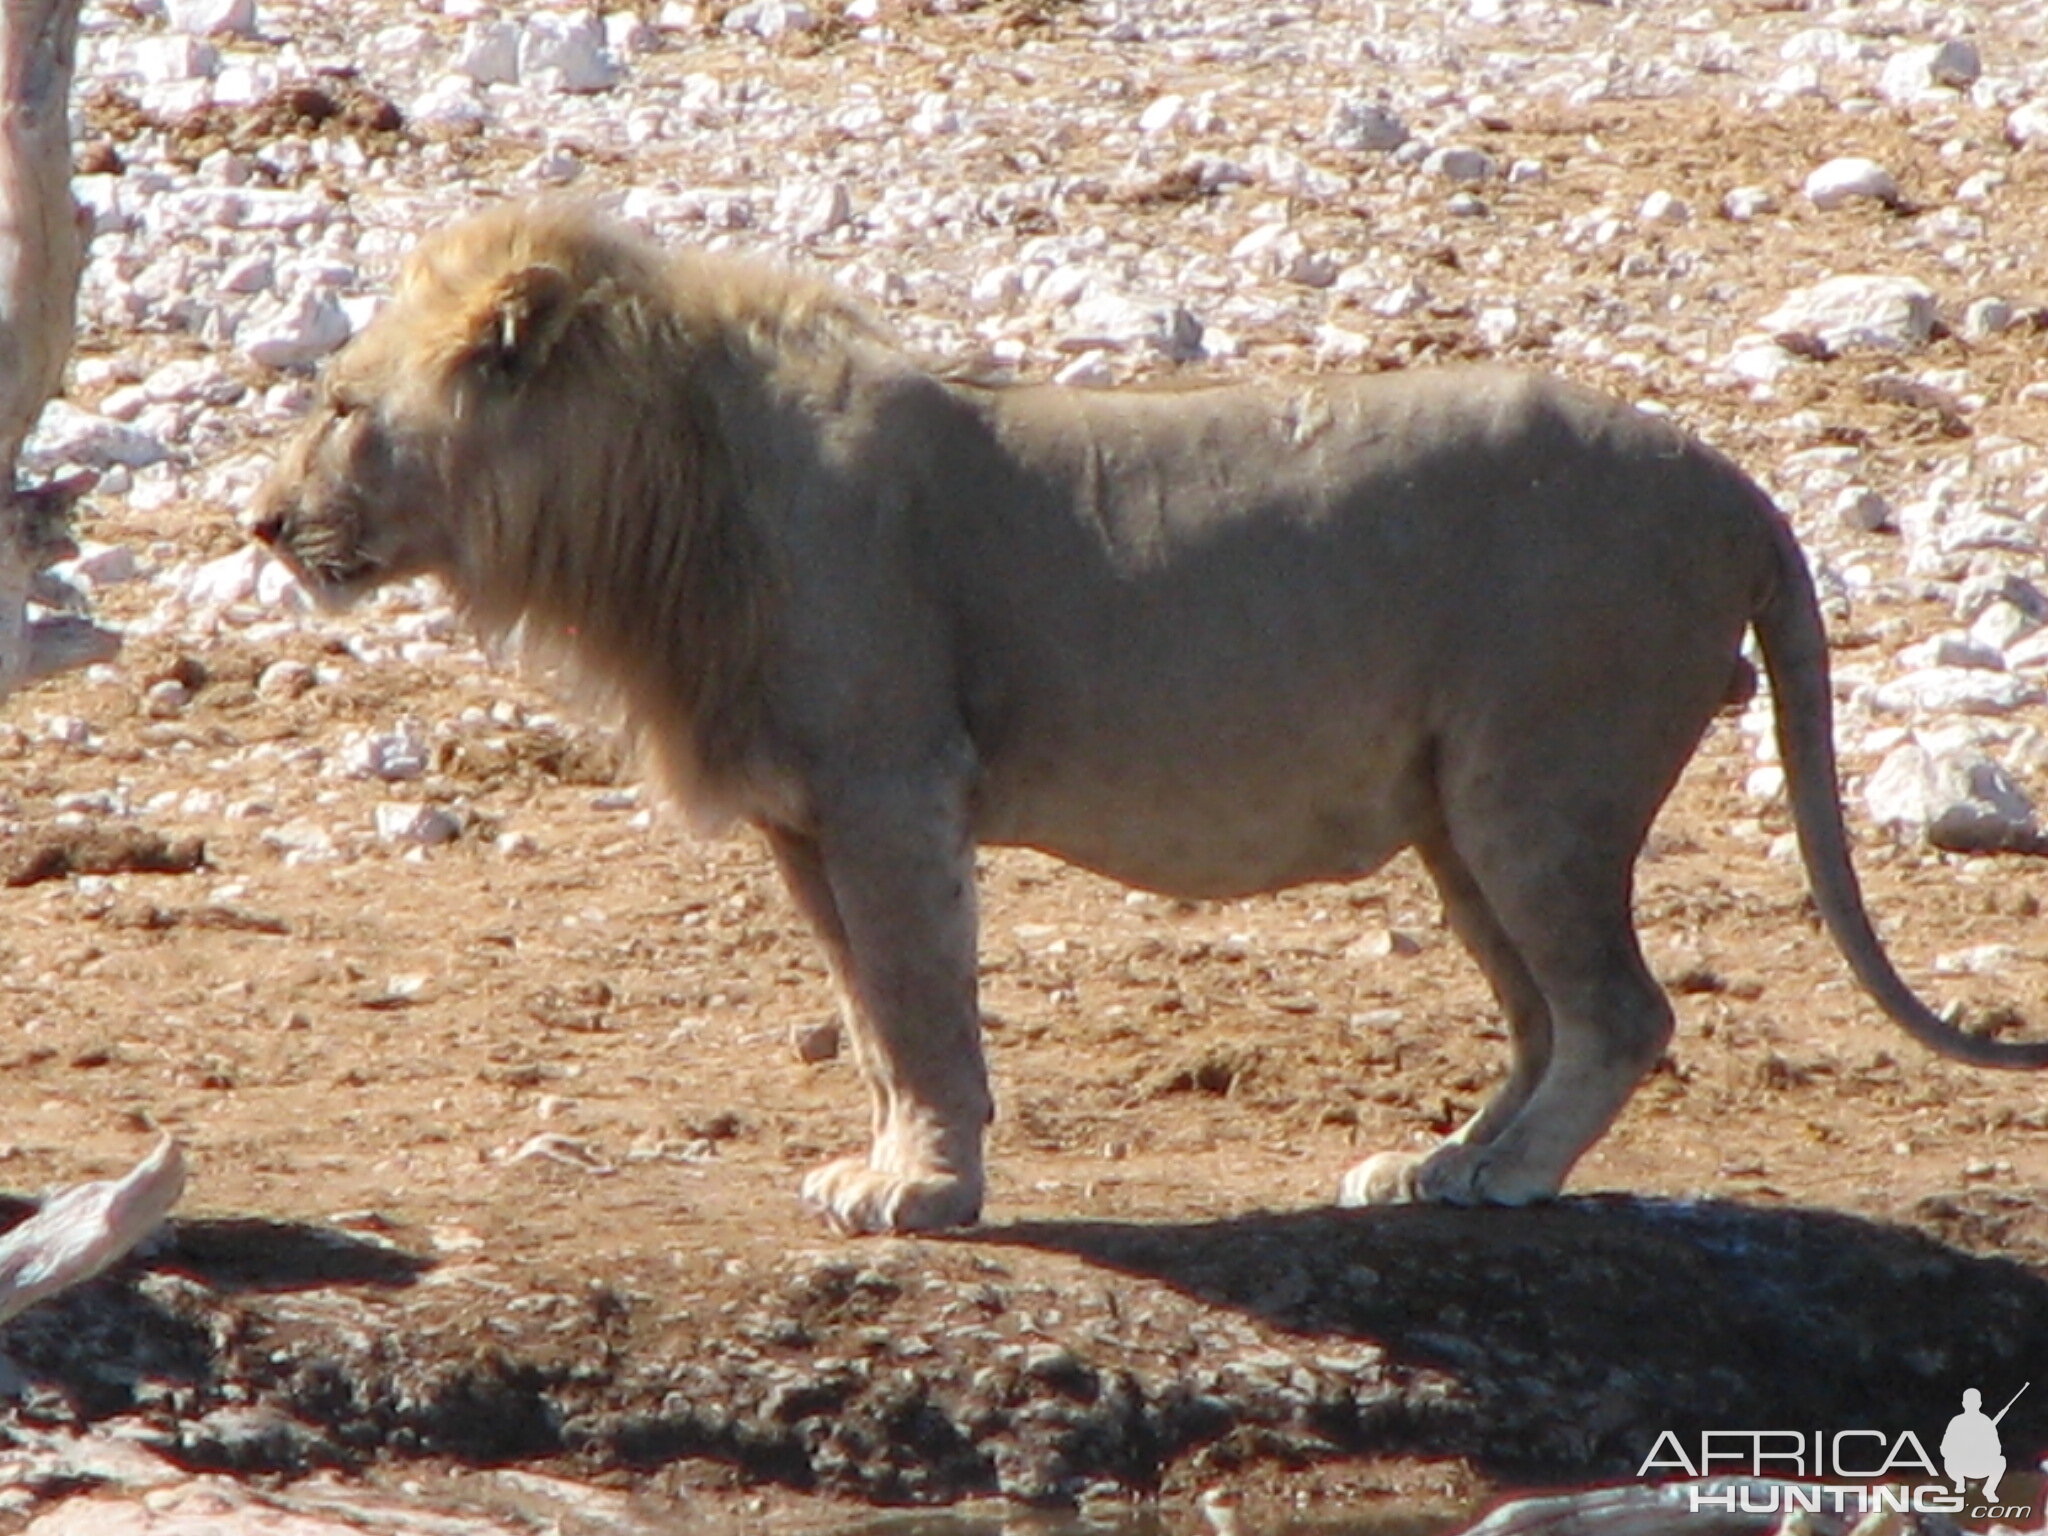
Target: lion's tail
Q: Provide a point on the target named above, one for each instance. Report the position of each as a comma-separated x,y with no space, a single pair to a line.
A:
1795,649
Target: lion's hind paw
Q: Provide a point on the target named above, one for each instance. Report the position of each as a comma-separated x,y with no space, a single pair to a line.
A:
856,1198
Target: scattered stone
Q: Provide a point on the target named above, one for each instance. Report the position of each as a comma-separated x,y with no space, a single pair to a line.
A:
1955,691
567,53
1893,314
1930,69
1957,799
1460,163
298,331
488,53
2027,124
1665,208
1745,203
1986,318
770,19
1845,180
1366,126
816,1043
211,18
416,824
394,756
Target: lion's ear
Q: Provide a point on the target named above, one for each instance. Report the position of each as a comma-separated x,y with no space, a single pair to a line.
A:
516,324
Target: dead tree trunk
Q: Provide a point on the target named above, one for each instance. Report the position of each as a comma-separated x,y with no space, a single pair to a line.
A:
42,251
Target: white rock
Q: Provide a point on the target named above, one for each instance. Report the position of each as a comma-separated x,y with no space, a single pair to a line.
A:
2003,625
1986,318
1742,204
1161,115
1930,68
1861,508
810,209
566,53
211,18
770,19
285,679
398,754
1957,798
1404,299
1952,648
425,826
488,53
66,434
1120,322
1981,529
1980,594
1365,125
1457,162
1662,207
1954,691
278,587
2028,124
452,105
1858,310
100,565
165,699
1841,181
303,842
2029,654
299,331
230,579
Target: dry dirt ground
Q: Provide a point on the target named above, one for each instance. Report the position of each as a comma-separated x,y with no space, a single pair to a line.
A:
495,1151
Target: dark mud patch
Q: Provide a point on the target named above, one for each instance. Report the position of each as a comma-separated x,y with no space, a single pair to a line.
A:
1049,1361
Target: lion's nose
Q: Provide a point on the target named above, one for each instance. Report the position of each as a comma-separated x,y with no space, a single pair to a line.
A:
268,528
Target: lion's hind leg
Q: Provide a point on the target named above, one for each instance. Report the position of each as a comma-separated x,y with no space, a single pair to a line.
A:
891,898
1561,922
1389,1177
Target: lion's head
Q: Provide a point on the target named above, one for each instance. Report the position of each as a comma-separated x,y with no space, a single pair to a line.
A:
551,415
453,408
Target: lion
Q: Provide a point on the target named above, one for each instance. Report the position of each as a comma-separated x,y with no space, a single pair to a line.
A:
1210,641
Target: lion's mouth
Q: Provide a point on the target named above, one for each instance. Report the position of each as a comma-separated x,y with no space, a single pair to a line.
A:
334,578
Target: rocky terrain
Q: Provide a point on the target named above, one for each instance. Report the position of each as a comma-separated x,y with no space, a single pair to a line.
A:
496,1085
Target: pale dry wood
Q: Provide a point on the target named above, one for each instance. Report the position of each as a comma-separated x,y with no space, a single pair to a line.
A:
42,251
81,1230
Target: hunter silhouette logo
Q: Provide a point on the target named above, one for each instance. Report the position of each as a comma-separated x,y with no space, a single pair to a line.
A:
1970,1449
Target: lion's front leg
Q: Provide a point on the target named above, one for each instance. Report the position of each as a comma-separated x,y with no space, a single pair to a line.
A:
888,884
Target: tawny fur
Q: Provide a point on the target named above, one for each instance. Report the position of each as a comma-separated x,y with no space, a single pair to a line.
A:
1213,641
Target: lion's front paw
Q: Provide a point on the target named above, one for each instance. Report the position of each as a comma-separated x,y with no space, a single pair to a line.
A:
1455,1173
856,1197
1385,1178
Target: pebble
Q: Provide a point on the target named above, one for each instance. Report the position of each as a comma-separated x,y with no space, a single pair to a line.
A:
1742,204
1894,314
1366,126
410,822
1955,691
770,19
488,52
1460,163
393,755
567,53
297,331
1957,798
1843,181
1930,69
2027,124
211,18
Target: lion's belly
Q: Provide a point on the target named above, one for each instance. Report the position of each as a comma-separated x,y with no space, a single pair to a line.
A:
1187,818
